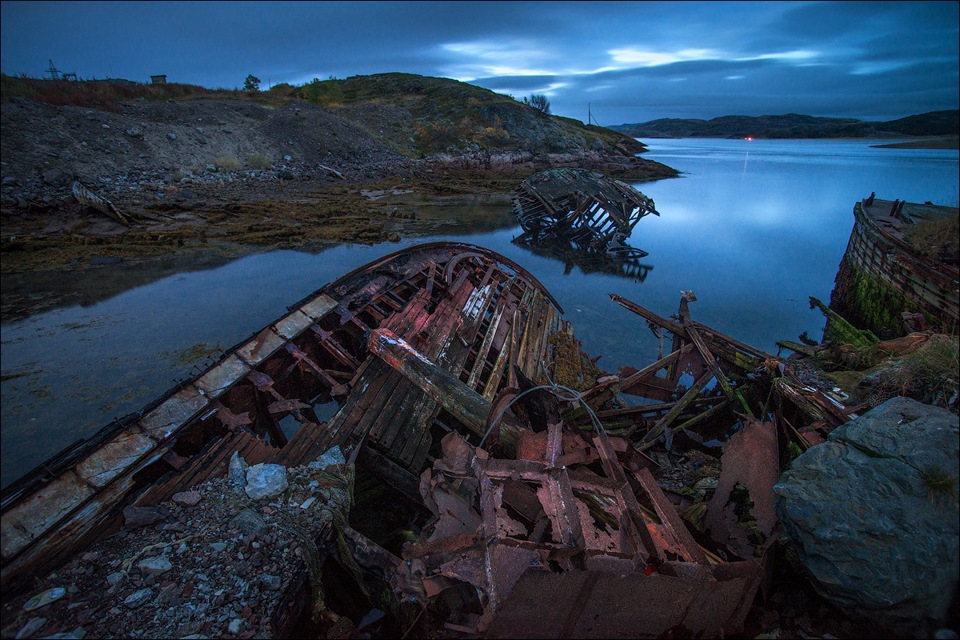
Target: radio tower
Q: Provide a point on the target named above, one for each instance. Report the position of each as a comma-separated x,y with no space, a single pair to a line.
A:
53,71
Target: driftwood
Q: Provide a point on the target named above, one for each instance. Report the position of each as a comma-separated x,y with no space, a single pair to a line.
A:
91,200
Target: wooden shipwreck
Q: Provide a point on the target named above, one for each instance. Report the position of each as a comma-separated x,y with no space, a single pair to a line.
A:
579,205
471,312
884,281
437,371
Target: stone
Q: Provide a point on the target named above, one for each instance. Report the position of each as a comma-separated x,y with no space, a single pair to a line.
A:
237,472
77,634
186,498
249,523
154,565
219,547
138,598
114,578
136,517
44,598
330,457
55,177
235,626
30,629
265,480
270,582
171,136
134,133
873,514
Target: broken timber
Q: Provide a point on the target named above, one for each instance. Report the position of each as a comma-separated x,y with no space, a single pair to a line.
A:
581,206
465,308
89,199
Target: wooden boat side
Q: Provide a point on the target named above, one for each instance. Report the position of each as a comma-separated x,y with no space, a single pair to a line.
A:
317,350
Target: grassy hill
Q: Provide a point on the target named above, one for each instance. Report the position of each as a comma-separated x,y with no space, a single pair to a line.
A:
414,115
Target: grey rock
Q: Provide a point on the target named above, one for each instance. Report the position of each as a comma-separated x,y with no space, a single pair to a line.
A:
187,498
138,598
154,565
237,472
136,517
235,626
332,456
219,547
171,136
249,523
270,582
77,634
265,480
134,133
876,533
287,158
114,578
32,627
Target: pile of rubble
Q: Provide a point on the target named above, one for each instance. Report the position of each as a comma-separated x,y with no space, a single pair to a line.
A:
227,559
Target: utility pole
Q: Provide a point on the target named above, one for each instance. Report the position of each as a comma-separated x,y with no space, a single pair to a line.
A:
53,71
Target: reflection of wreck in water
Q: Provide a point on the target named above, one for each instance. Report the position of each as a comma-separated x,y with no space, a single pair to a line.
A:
617,258
579,205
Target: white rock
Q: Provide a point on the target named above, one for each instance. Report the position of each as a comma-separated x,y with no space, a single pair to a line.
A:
237,473
266,480
332,456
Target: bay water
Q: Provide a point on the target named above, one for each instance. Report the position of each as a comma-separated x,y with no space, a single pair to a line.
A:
753,228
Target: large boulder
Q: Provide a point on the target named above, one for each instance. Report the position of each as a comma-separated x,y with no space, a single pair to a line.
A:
874,516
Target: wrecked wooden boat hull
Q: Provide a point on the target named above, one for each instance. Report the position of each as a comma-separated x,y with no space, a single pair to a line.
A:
466,308
579,205
878,259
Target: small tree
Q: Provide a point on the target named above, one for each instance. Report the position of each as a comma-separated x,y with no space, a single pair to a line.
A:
251,84
539,102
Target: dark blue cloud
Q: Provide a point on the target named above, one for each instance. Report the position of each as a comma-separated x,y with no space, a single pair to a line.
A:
631,61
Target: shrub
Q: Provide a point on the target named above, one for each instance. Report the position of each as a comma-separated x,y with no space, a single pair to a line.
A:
539,102
228,163
259,161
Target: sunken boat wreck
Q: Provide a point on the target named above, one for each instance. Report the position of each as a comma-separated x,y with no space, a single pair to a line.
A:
444,377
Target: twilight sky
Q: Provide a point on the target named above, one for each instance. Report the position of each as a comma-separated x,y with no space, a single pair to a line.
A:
630,61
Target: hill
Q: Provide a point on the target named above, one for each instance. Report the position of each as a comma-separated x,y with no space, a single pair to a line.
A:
792,125
269,168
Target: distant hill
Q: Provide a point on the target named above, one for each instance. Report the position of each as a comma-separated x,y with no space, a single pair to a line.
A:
792,125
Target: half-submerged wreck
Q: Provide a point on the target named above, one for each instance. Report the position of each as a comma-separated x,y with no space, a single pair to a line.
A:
889,281
444,372
579,205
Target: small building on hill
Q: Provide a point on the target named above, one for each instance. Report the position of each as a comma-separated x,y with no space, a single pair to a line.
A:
160,79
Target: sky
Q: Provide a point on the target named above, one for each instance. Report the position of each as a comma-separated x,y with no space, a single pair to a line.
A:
620,62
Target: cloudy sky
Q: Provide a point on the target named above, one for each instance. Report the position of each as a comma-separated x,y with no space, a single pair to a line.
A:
629,61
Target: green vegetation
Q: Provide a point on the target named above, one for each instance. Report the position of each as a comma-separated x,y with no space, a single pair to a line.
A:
251,84
869,302
227,163
259,161
539,102
938,481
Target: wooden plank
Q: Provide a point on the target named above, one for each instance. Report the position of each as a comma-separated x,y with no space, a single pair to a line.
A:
460,400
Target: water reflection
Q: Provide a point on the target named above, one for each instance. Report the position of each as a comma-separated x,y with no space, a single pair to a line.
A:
753,247
619,259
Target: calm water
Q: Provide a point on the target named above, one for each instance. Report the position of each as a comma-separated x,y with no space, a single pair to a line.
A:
753,228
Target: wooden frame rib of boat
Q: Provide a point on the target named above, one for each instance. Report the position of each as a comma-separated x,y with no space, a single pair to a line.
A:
464,310
579,205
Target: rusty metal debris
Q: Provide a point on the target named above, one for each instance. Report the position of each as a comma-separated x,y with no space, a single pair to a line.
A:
616,258
581,206
552,512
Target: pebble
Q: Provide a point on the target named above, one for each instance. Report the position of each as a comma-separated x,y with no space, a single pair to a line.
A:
186,498
270,582
33,626
138,598
115,577
154,566
44,598
219,547
171,136
235,625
